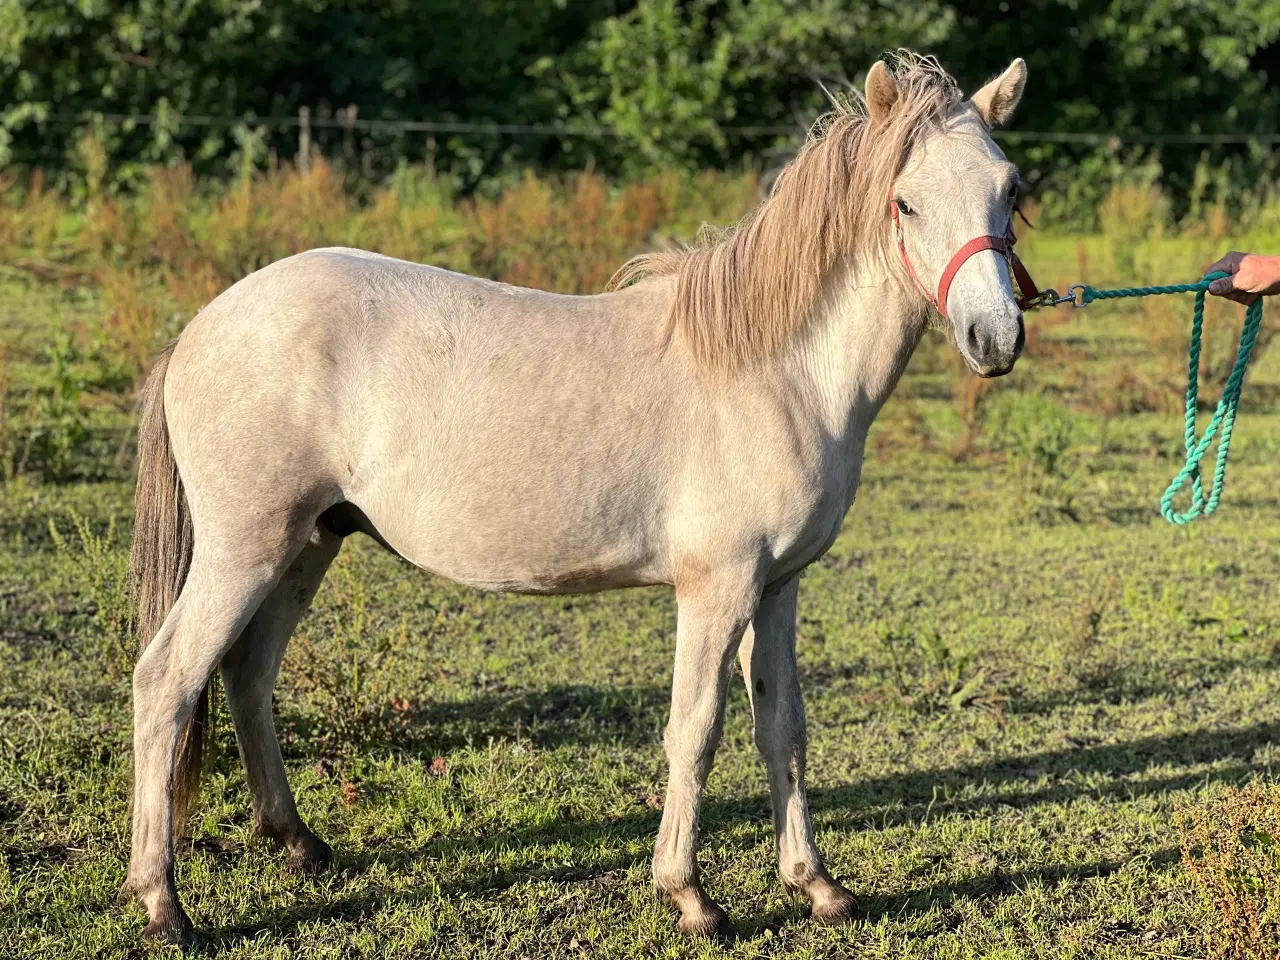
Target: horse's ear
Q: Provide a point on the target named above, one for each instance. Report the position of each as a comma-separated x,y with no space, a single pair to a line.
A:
882,93
996,101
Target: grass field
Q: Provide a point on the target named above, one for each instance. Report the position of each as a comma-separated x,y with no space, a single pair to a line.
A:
1018,677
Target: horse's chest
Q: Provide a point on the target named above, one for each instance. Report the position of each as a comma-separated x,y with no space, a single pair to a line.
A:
813,525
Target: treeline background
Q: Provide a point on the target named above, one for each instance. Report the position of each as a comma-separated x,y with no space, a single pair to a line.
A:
639,85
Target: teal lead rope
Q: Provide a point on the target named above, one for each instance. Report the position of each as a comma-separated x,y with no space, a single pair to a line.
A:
1224,418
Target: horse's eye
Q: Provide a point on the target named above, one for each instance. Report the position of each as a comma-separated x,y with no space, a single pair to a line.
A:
904,208
1013,194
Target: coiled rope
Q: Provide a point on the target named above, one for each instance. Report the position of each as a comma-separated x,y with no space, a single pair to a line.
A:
1224,417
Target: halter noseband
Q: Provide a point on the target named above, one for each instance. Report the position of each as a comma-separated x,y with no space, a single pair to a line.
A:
1031,296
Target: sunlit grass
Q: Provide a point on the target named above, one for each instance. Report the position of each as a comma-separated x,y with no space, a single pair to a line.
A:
1008,701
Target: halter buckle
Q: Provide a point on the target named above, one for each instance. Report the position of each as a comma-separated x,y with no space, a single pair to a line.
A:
1051,298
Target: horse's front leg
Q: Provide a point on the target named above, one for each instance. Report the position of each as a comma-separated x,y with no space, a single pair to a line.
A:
768,656
713,613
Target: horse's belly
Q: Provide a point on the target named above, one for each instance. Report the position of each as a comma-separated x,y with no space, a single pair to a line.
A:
525,538
546,571
590,579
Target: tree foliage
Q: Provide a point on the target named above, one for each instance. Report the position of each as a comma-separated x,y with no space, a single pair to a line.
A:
675,80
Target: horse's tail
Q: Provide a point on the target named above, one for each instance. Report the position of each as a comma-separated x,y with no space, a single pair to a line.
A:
162,545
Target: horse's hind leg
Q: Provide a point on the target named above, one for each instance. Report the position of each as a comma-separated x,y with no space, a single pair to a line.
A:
221,593
768,656
249,672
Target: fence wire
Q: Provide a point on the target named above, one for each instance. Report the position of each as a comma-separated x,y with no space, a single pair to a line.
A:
354,123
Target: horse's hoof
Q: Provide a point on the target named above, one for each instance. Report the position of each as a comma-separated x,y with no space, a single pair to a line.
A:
172,928
308,854
834,905
710,924
700,916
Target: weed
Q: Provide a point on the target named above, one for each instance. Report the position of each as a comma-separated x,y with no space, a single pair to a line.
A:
40,219
416,217
1233,620
929,678
165,228
61,430
102,567
1231,849
9,212
131,333
970,394
568,238
346,677
8,431
1086,623
1134,213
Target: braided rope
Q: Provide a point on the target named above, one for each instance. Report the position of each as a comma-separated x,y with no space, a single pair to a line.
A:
1224,417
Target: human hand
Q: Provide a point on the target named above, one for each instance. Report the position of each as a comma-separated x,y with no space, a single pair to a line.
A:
1252,276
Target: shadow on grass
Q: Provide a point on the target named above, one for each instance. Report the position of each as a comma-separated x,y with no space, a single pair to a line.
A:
1103,683
1048,777
551,717
634,716
997,883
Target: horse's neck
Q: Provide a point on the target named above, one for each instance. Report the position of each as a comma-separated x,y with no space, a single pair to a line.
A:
855,350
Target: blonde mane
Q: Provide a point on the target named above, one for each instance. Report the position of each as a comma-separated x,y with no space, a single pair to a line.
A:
744,294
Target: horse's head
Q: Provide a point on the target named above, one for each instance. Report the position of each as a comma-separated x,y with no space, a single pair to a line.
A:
952,204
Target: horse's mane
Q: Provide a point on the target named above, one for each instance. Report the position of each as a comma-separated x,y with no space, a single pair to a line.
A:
743,294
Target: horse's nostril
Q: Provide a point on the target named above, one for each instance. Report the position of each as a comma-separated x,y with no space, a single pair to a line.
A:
974,349
1022,337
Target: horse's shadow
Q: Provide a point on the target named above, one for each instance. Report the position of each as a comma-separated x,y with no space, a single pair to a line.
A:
550,717
634,715
583,714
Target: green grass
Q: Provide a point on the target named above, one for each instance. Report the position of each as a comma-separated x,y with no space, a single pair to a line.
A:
1005,709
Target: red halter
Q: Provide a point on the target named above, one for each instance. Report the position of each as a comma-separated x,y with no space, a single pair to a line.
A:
1031,296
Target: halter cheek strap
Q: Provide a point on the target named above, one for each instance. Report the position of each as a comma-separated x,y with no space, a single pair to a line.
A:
1031,296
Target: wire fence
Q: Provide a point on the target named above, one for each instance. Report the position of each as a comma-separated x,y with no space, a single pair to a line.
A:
349,120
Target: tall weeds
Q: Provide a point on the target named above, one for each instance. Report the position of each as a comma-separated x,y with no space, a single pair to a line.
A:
1231,850
155,258
101,563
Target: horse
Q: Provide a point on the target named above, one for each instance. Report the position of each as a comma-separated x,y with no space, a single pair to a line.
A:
700,424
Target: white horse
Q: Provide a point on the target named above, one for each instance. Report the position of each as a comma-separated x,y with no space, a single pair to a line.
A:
701,426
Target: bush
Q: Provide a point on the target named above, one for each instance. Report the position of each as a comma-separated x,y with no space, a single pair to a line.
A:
1231,849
